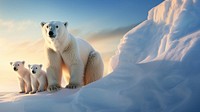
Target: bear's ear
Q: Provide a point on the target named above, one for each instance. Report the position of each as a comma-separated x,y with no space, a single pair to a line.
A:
40,65
11,63
29,66
23,62
65,23
42,24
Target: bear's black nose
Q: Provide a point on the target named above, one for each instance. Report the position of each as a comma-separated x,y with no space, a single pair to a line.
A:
50,33
15,69
33,72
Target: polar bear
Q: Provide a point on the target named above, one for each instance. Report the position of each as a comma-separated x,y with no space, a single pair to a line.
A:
23,76
64,51
38,78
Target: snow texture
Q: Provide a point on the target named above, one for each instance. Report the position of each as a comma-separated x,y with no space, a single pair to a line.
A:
156,68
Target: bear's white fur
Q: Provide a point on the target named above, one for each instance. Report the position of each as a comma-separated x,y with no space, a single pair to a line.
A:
23,76
75,55
38,78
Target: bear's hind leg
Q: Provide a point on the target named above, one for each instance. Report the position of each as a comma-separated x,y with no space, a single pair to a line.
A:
94,68
42,85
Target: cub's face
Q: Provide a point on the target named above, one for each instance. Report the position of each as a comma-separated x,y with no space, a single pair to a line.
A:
35,69
18,65
53,30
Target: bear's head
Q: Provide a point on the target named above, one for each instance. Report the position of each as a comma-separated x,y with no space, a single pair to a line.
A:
35,69
18,65
53,30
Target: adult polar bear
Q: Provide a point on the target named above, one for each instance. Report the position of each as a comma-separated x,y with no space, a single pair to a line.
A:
64,51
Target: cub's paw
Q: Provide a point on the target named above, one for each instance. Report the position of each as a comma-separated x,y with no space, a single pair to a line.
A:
72,86
53,88
27,92
32,92
22,92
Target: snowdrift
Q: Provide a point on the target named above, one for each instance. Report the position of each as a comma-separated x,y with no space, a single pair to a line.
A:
156,68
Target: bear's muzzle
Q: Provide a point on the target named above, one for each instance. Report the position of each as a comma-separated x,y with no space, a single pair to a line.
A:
33,72
15,69
51,34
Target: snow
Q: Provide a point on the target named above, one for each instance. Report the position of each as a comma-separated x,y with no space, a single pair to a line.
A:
156,68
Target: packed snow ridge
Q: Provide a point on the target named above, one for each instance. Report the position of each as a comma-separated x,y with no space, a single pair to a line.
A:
169,33
156,69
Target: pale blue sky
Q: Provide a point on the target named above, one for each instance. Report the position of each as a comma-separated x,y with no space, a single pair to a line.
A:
84,16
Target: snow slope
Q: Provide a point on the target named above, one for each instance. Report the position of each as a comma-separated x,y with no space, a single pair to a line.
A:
156,68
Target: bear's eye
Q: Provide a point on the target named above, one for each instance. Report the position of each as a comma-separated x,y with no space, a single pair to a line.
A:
47,26
35,67
56,26
17,64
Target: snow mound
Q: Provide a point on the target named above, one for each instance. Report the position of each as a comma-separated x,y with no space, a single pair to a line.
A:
161,55
156,68
169,33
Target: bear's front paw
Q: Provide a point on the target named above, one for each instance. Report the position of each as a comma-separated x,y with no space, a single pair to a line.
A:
72,86
53,88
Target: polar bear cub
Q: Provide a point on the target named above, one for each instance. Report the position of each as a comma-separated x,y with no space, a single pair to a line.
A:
38,78
75,55
23,76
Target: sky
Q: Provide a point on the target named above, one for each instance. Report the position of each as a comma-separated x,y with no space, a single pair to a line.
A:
101,22
90,15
